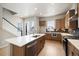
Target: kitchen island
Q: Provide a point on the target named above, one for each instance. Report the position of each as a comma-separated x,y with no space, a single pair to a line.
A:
28,45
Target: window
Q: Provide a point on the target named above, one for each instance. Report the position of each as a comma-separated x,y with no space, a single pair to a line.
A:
30,27
51,25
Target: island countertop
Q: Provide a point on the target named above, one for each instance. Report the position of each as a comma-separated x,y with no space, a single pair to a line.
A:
23,40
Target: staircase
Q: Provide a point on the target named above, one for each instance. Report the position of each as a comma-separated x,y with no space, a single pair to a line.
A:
10,27
6,32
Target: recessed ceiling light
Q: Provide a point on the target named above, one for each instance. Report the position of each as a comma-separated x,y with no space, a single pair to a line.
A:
35,8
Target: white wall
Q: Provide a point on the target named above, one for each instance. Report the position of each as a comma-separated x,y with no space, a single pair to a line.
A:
14,20
0,16
37,24
3,33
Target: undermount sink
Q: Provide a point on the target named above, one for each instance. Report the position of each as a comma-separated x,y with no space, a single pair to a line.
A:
35,35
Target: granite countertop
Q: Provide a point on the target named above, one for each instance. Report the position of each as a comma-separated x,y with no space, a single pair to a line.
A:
75,42
66,34
62,33
23,40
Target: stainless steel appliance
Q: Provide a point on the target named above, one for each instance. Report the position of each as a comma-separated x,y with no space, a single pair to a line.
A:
65,42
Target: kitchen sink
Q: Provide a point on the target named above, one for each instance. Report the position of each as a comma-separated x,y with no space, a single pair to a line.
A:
35,36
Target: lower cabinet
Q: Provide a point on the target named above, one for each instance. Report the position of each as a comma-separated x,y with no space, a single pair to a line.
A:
48,36
57,37
52,36
72,50
32,49
17,51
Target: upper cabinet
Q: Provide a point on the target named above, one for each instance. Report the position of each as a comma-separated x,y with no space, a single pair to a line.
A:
73,23
42,23
60,23
68,16
78,13
78,9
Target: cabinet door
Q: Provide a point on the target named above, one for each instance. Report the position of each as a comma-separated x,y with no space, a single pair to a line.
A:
18,51
78,13
42,23
76,51
40,44
69,51
78,9
48,36
32,49
73,24
72,51
69,14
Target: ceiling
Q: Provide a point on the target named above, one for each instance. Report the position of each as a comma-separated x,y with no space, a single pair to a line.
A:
37,9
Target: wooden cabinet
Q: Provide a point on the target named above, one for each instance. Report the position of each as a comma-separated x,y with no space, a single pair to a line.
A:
73,24
78,9
60,23
34,48
48,36
40,44
68,15
53,36
42,23
78,13
57,37
17,51
72,50
31,49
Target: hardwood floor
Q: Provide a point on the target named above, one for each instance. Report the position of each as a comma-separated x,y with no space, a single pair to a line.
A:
52,48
